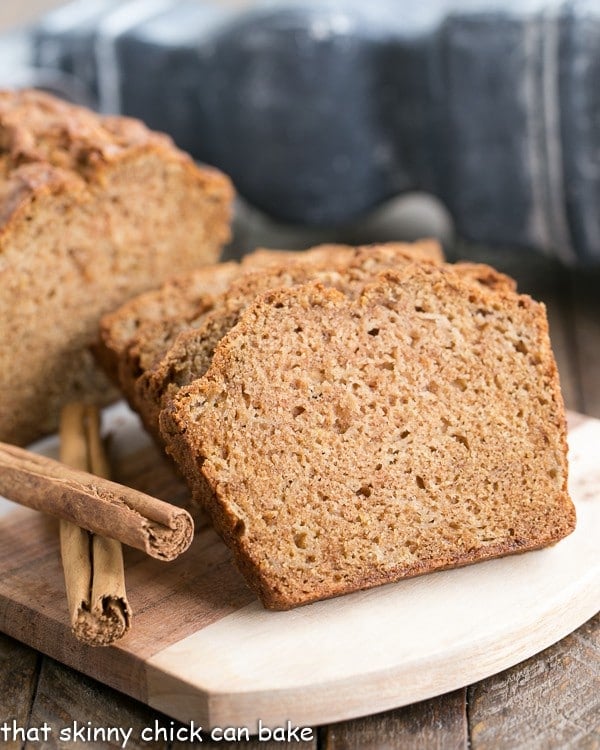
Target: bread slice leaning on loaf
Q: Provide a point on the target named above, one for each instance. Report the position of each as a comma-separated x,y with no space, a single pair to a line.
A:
133,337
192,349
351,442
93,210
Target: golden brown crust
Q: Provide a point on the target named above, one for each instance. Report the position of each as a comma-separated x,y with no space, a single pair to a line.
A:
486,276
354,442
43,139
27,181
38,128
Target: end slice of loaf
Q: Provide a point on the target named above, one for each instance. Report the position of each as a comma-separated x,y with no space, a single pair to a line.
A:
351,442
93,210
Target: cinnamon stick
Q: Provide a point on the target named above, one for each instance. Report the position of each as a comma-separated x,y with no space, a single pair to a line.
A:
93,565
98,505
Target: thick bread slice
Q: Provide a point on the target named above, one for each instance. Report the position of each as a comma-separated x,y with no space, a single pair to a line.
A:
152,338
179,298
354,442
93,210
134,337
191,352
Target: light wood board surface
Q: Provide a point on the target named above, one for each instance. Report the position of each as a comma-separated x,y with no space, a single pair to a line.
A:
203,648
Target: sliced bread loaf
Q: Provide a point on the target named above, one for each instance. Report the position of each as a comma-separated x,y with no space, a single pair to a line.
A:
93,210
153,335
134,337
179,298
351,442
192,349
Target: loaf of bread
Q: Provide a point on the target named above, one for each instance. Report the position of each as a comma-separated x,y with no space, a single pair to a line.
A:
353,440
93,210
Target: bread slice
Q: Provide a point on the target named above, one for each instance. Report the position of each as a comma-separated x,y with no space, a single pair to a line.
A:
134,337
178,298
352,442
184,297
93,210
192,349
152,336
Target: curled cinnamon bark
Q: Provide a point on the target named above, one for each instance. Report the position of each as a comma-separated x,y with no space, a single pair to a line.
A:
93,565
98,505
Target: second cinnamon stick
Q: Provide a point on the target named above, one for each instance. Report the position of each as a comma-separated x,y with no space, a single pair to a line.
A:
98,505
93,565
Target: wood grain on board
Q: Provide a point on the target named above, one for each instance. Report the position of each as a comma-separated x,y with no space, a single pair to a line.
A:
68,701
202,648
170,600
19,667
549,701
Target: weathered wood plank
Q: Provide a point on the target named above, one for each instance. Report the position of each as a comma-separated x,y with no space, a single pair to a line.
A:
439,723
549,701
64,697
19,668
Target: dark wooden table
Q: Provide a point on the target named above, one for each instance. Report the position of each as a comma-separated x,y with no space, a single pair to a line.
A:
549,701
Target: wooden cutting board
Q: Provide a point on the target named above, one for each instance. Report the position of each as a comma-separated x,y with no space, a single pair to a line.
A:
203,649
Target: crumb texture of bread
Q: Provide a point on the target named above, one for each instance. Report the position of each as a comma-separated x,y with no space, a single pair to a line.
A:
191,348
351,441
151,374
93,210
179,298
135,336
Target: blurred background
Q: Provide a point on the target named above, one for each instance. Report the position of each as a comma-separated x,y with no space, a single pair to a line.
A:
475,122
325,111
